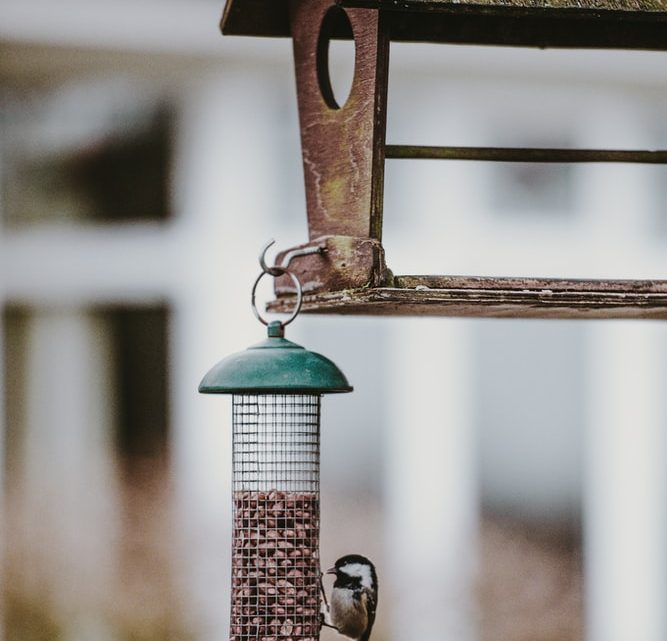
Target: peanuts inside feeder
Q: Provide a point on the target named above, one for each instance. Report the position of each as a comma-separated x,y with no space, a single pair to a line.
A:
276,387
275,562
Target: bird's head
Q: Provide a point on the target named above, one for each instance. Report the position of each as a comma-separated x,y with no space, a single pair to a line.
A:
354,571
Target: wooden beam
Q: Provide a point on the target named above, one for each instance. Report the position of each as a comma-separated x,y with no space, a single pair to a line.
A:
342,145
514,154
518,26
495,297
439,6
612,24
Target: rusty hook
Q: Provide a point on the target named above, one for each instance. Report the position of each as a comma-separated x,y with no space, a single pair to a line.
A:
275,270
279,270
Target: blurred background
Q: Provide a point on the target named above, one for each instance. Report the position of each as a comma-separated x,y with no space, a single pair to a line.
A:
509,477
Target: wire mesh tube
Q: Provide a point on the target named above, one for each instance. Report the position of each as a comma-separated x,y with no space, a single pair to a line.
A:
275,548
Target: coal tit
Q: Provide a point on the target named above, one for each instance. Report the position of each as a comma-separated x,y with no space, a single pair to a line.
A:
354,597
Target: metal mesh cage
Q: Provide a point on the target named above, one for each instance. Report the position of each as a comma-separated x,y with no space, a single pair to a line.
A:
275,549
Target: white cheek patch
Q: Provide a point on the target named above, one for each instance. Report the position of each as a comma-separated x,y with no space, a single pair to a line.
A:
360,570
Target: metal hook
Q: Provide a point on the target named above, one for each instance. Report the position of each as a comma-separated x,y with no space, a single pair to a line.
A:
306,251
275,270
279,270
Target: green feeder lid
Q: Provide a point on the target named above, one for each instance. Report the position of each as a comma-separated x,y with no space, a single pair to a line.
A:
275,366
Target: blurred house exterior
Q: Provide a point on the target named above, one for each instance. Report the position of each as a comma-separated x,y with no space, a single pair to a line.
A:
509,477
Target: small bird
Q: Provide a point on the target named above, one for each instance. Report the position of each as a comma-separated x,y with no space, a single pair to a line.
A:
354,597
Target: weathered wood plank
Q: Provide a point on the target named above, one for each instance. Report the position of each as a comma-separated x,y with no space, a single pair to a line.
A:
607,24
620,24
618,286
434,6
256,18
496,297
342,145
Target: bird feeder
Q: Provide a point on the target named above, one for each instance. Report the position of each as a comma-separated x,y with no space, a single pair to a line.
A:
276,387
344,148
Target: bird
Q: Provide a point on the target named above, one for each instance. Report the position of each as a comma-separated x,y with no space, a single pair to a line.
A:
354,597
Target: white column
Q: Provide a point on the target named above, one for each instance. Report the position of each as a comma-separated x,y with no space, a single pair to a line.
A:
3,437
224,177
626,484
431,499
67,481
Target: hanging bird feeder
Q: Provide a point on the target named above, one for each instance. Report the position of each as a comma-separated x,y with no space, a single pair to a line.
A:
276,387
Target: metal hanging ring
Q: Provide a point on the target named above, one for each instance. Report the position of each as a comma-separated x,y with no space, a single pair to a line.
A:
275,272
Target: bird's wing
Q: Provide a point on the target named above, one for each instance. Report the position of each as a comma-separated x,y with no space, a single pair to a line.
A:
371,607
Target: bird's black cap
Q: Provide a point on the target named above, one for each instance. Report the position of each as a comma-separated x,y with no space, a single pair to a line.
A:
353,558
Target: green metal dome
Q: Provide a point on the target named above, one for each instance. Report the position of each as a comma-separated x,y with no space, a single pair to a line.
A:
275,366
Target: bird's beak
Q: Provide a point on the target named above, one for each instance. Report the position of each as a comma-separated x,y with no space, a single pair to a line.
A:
331,571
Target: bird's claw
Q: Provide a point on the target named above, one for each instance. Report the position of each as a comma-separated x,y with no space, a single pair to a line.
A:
324,624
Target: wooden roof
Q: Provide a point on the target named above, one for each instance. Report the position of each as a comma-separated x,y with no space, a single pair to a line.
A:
593,5
623,24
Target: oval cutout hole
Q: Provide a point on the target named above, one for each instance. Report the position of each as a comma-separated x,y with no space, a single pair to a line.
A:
335,58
